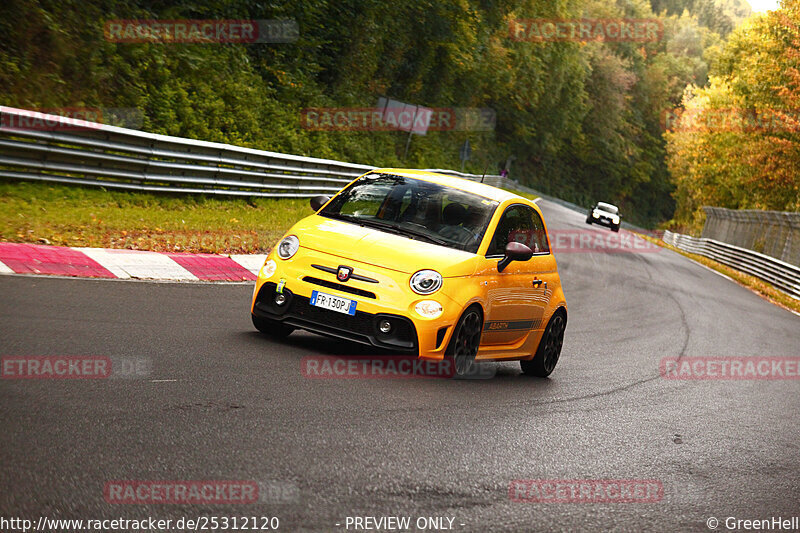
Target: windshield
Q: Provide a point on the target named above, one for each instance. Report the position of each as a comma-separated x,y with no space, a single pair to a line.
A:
416,209
608,208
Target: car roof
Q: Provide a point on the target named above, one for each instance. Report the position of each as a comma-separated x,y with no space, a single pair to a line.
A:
606,204
481,189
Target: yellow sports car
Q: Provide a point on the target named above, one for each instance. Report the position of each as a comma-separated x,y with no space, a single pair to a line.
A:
420,263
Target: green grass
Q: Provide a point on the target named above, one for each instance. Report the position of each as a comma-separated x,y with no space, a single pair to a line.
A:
67,215
83,216
523,194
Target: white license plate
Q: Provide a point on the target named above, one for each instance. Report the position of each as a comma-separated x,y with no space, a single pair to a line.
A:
334,303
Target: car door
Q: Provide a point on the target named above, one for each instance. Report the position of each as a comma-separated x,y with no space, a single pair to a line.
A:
518,296
542,266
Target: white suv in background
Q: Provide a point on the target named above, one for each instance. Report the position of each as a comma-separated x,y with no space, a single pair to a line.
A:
605,215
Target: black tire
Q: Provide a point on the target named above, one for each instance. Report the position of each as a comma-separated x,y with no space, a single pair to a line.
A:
589,220
615,229
464,343
271,327
549,350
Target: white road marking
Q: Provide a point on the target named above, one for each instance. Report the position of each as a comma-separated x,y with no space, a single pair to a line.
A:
4,269
137,264
252,263
736,282
718,273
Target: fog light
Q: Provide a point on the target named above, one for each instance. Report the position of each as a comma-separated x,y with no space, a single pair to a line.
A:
429,309
268,269
385,326
280,299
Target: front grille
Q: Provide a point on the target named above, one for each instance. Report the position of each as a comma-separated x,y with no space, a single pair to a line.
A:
360,323
361,327
339,287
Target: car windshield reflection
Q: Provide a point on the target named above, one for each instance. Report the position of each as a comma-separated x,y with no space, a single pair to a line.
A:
416,209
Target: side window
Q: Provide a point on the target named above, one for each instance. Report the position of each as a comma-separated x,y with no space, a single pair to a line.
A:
539,236
522,224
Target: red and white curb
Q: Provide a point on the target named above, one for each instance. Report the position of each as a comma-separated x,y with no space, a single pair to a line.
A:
126,264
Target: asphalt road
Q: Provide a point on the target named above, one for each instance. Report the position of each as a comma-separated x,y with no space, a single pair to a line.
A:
221,402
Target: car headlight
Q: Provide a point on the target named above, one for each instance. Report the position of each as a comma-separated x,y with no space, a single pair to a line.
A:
615,220
288,247
429,309
268,269
426,282
595,215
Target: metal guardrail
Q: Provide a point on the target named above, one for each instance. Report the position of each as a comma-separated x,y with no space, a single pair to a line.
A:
36,146
773,233
501,182
782,275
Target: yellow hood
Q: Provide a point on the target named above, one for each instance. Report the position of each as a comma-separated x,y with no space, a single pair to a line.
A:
381,249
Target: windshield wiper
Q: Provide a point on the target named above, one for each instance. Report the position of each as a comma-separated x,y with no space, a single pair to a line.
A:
391,228
364,222
340,216
414,233
425,236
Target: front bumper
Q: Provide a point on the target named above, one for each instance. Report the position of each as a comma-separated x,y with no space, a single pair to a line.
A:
604,221
362,327
385,298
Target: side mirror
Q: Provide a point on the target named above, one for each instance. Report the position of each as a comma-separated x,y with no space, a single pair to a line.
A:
515,251
318,201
